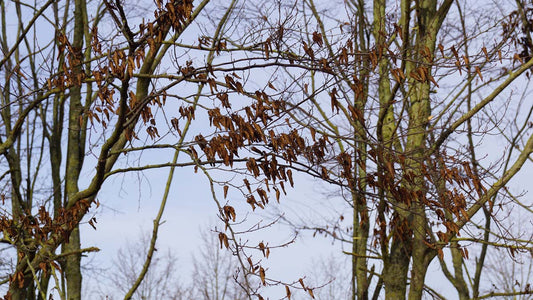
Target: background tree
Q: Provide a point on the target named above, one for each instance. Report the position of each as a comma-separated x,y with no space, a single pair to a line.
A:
216,273
334,278
163,280
509,277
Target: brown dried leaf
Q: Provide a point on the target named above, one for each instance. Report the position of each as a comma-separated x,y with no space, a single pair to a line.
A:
317,38
289,175
262,275
223,238
311,293
301,281
433,80
226,191
441,48
478,71
262,248
229,213
485,51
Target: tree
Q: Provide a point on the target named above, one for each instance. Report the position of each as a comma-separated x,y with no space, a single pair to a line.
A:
86,91
53,93
160,282
216,274
396,117
510,278
385,100
335,278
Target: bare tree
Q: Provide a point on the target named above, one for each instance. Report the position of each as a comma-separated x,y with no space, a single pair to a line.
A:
332,277
216,274
161,280
509,276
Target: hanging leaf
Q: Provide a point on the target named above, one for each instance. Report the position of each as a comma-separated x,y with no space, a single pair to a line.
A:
226,188
317,38
262,275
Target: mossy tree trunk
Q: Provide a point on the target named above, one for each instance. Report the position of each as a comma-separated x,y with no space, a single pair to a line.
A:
75,152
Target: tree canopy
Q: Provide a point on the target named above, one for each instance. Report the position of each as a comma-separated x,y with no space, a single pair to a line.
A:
415,112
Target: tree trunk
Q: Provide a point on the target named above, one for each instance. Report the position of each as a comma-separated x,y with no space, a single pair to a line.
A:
75,154
396,268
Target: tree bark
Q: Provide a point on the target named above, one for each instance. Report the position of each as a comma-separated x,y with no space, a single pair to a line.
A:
75,154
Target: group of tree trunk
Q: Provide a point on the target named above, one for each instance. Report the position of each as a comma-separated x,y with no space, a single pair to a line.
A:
416,112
